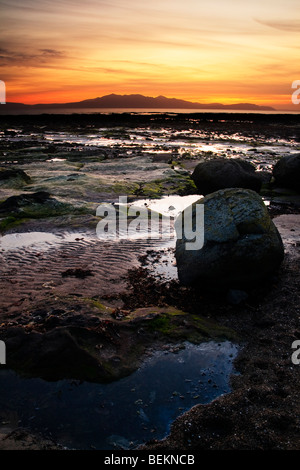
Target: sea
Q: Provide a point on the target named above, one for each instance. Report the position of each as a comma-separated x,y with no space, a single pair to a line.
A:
33,111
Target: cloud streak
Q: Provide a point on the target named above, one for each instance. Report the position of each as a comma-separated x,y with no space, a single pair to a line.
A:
292,26
39,58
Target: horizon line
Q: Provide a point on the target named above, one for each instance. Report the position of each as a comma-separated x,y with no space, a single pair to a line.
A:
183,101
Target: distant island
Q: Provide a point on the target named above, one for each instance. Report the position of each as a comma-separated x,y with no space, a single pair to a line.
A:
138,101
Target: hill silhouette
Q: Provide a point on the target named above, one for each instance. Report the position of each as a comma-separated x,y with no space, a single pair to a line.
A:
141,101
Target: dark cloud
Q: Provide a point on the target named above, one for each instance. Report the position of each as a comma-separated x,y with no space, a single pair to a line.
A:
40,58
51,52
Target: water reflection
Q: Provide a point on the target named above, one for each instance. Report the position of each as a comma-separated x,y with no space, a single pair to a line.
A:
125,413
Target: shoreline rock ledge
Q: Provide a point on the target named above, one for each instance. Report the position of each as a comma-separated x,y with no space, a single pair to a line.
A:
242,246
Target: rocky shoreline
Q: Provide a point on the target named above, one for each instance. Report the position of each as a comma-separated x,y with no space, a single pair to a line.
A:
87,301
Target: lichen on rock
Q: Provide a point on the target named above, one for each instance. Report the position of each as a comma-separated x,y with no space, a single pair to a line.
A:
241,247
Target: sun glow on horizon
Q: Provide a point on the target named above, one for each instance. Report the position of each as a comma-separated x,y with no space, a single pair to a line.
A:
227,52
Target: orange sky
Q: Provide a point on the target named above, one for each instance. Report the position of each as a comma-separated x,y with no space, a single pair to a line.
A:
224,51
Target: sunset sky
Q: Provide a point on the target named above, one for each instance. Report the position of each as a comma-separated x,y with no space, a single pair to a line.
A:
226,51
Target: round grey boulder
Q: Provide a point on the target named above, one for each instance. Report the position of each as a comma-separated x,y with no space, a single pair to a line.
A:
286,172
240,247
212,175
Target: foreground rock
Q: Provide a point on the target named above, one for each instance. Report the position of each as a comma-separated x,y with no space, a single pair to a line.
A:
218,174
86,340
286,172
242,246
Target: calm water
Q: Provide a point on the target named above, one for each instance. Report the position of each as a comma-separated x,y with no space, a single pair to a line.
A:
125,413
5,110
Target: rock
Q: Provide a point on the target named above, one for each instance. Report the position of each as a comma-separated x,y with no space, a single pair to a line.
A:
14,203
14,173
286,172
242,246
34,206
53,355
77,272
212,175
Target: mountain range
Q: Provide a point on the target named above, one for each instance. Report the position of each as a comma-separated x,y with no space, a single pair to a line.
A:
139,101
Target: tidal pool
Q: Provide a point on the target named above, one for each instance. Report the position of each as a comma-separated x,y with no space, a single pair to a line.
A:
40,240
125,413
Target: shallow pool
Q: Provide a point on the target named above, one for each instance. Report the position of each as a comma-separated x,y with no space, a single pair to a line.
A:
125,413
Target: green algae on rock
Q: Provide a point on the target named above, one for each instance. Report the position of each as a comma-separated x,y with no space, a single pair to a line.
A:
175,324
40,205
111,344
241,247
13,178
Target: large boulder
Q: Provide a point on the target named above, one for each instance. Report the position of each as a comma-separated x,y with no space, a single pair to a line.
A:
241,245
286,172
212,175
